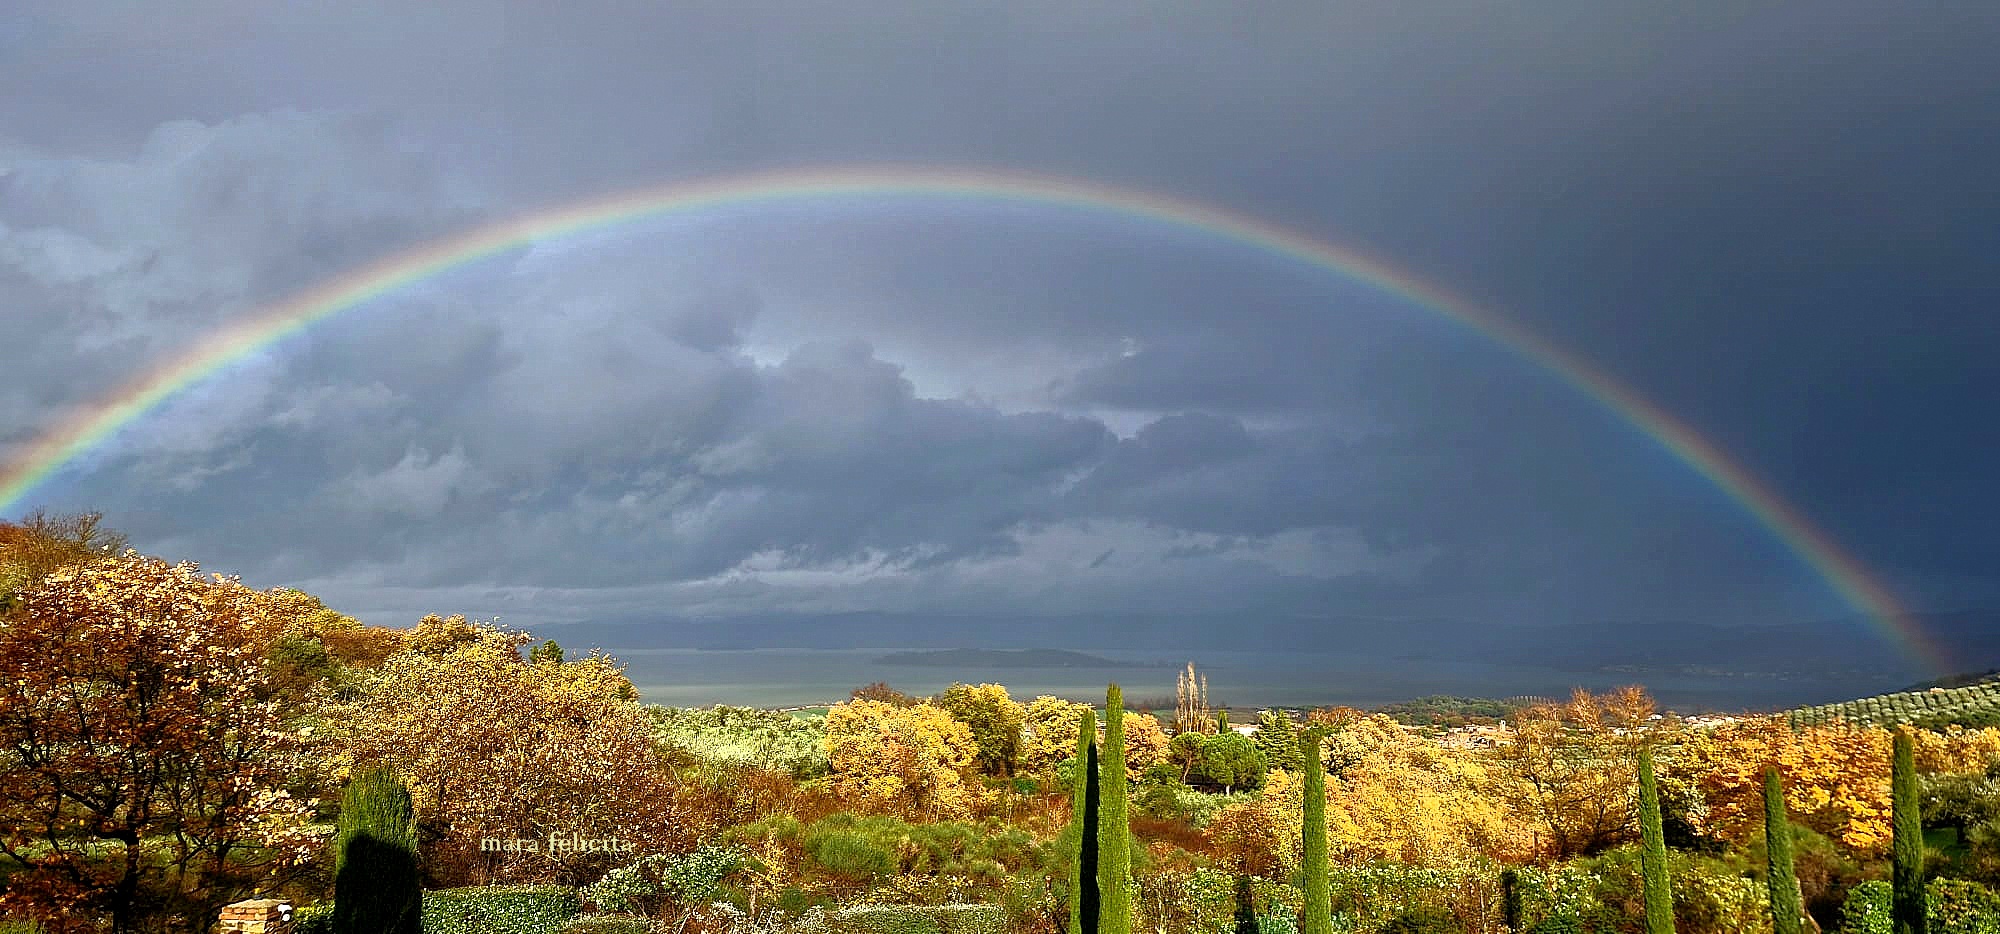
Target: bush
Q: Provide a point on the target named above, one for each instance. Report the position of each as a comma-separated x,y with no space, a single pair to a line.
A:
1866,910
1958,906
499,909
849,854
652,883
1953,906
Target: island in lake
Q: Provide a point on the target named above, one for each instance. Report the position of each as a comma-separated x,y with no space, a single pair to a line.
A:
1008,658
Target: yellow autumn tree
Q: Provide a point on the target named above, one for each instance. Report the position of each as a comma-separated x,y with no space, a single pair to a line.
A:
1836,776
1404,799
495,749
1146,744
1260,836
915,757
994,719
1570,768
1048,733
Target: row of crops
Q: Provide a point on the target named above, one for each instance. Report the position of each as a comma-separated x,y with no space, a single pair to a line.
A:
1974,705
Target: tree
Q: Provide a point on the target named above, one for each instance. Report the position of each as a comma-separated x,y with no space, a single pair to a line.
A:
376,890
1653,850
1404,799
916,757
42,543
1231,761
1048,733
1083,896
1906,849
1191,702
1246,907
1278,739
995,720
548,652
1780,876
1184,752
1146,744
1114,830
1317,913
143,769
495,748
1574,768
881,692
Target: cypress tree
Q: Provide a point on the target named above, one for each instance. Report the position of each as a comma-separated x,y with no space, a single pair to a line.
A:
1317,909
1782,879
375,887
1653,850
1083,826
1906,847
1246,907
1114,831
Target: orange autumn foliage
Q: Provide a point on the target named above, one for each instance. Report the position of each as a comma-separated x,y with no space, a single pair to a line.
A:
142,764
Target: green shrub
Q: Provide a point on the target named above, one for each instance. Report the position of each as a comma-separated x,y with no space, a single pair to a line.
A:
1958,906
850,854
1866,910
499,909
652,883
1952,906
607,924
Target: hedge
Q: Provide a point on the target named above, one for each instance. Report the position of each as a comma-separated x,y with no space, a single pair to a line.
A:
499,909
607,924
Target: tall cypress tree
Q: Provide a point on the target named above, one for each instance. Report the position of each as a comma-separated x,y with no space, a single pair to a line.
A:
1114,831
1083,827
1317,910
375,887
1653,850
1246,907
1906,846
1786,914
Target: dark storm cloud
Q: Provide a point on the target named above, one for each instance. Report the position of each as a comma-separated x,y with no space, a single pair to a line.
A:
1773,219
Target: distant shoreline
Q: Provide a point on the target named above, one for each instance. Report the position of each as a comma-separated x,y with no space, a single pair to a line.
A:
1007,658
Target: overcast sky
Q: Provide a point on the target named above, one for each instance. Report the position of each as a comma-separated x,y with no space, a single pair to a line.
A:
1777,221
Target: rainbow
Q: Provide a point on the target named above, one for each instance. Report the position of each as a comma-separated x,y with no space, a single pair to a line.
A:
81,432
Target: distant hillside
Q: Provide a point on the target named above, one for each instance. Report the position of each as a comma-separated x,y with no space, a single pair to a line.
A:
1004,658
1973,705
1443,710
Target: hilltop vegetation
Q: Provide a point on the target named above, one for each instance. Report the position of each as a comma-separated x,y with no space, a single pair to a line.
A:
170,742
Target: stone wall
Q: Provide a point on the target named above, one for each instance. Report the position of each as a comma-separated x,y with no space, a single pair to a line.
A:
256,916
